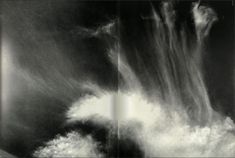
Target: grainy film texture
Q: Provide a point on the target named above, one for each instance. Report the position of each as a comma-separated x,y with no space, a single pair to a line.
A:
117,79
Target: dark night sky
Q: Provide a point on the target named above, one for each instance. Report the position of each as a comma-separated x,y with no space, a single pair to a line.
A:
34,27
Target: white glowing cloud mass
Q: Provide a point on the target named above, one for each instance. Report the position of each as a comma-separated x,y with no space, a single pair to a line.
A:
71,145
160,131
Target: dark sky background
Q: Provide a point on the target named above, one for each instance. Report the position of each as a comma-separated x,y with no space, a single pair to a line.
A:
35,28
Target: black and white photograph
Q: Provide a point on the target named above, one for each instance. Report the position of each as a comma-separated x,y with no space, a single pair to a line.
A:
117,78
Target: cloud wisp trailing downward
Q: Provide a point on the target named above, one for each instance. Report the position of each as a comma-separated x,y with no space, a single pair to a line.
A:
176,119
